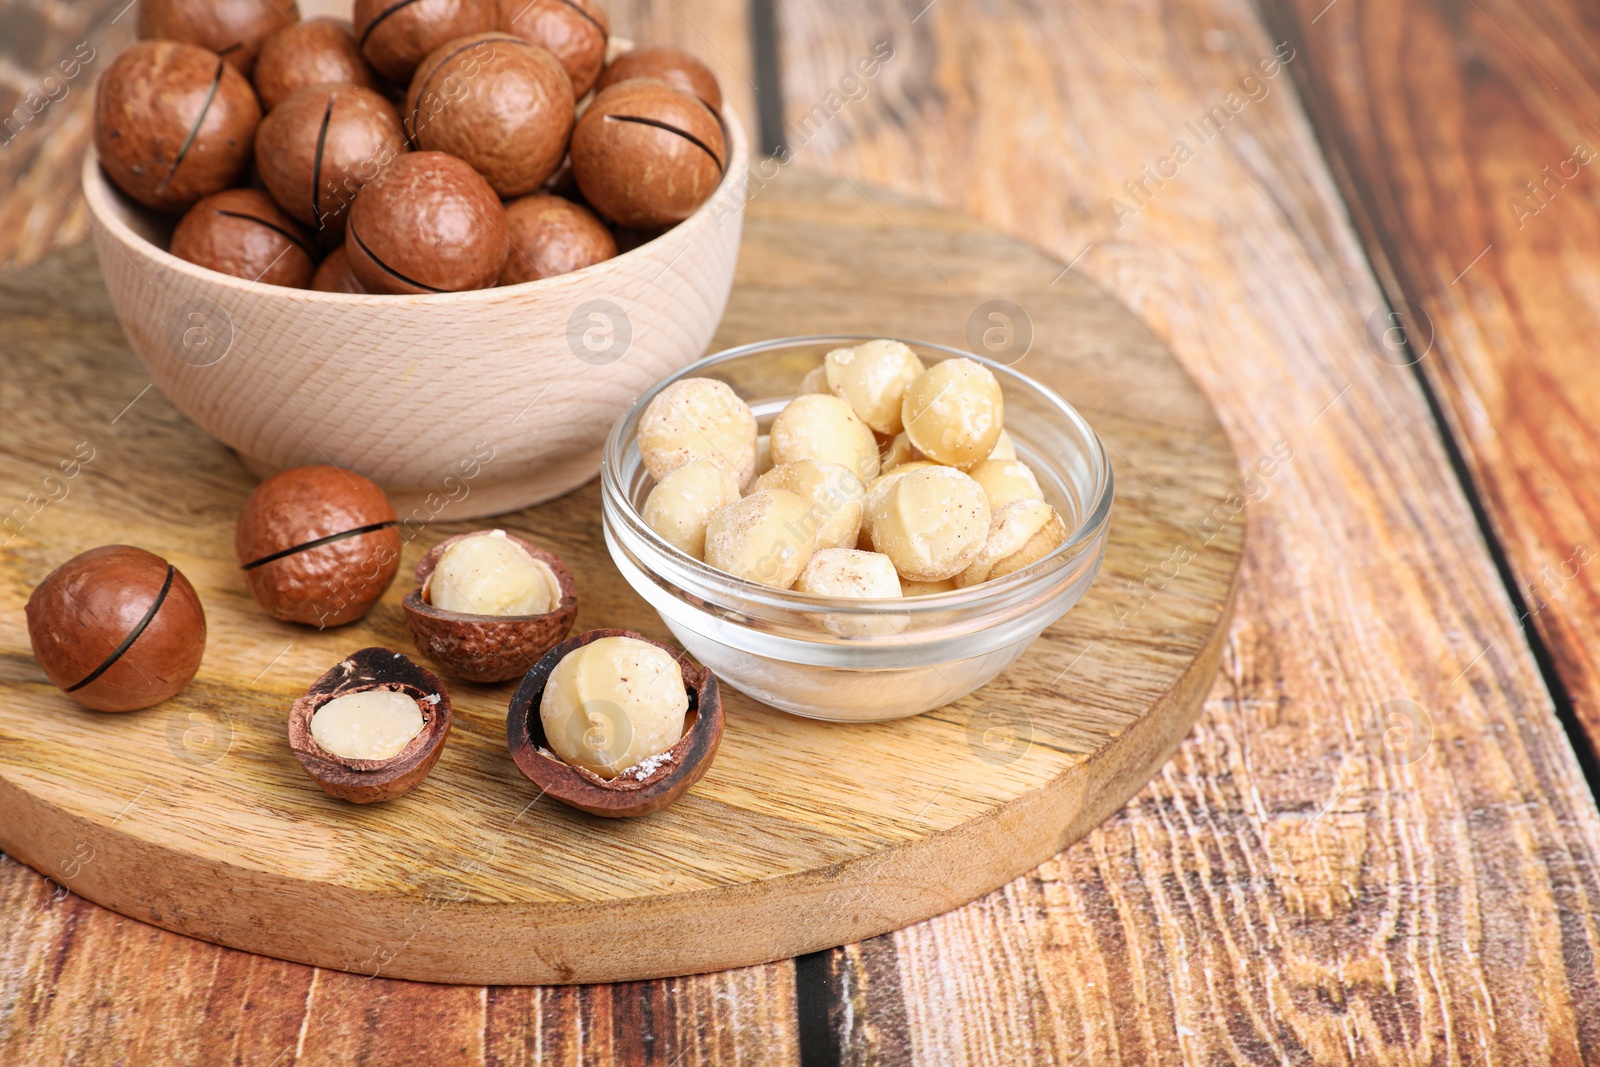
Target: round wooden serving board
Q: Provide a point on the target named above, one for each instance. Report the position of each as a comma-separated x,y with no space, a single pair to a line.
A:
195,816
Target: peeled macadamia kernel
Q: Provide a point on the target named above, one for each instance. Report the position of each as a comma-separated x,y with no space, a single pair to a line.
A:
1004,447
872,378
767,538
763,455
899,450
1005,480
932,522
954,412
910,588
847,572
1022,532
489,574
815,381
834,493
371,724
612,703
682,503
698,418
824,429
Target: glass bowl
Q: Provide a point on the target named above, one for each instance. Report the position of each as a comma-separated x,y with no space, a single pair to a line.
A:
853,660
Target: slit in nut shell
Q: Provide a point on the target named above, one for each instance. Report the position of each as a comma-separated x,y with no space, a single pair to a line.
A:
244,233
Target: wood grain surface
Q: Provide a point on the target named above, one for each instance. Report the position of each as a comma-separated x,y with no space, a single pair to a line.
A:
1467,140
1282,892
818,840
1314,878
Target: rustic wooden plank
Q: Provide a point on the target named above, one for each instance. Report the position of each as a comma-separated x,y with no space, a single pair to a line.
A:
1298,885
1465,138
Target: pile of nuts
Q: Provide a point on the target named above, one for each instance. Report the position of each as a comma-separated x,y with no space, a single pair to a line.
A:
430,146
884,478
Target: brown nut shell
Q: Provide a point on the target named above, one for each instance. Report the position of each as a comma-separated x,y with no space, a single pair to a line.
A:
623,796
551,235
234,29
646,154
671,65
317,545
317,149
574,31
362,781
394,35
117,628
427,224
315,52
243,232
173,123
497,102
489,648
335,276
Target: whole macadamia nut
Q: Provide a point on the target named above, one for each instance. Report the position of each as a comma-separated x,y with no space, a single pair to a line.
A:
698,418
317,545
497,102
682,503
767,538
395,35
173,123
574,31
823,429
954,412
117,628
1005,480
647,155
234,29
1023,532
551,235
335,276
932,522
315,52
872,377
671,65
613,703
428,224
318,148
242,232
834,493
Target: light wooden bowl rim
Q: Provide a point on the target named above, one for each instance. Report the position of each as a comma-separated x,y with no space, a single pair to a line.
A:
104,214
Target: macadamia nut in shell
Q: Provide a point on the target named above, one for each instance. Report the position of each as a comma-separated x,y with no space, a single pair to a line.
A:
612,703
490,574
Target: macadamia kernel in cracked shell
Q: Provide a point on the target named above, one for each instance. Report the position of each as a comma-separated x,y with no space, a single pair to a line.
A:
824,429
372,724
768,538
872,378
834,493
612,703
932,522
489,574
1022,532
698,418
954,412
682,503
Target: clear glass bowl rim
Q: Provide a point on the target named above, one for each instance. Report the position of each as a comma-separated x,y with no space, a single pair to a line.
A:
724,590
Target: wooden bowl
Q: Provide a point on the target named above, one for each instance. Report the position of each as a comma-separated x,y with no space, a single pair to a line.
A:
458,404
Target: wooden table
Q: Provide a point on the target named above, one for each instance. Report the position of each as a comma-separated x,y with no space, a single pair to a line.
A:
1379,844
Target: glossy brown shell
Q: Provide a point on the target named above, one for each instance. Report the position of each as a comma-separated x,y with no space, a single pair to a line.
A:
503,105
173,123
394,35
488,648
551,235
312,53
296,578
335,276
671,65
317,149
619,797
83,613
370,781
234,29
427,224
646,154
243,232
574,31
